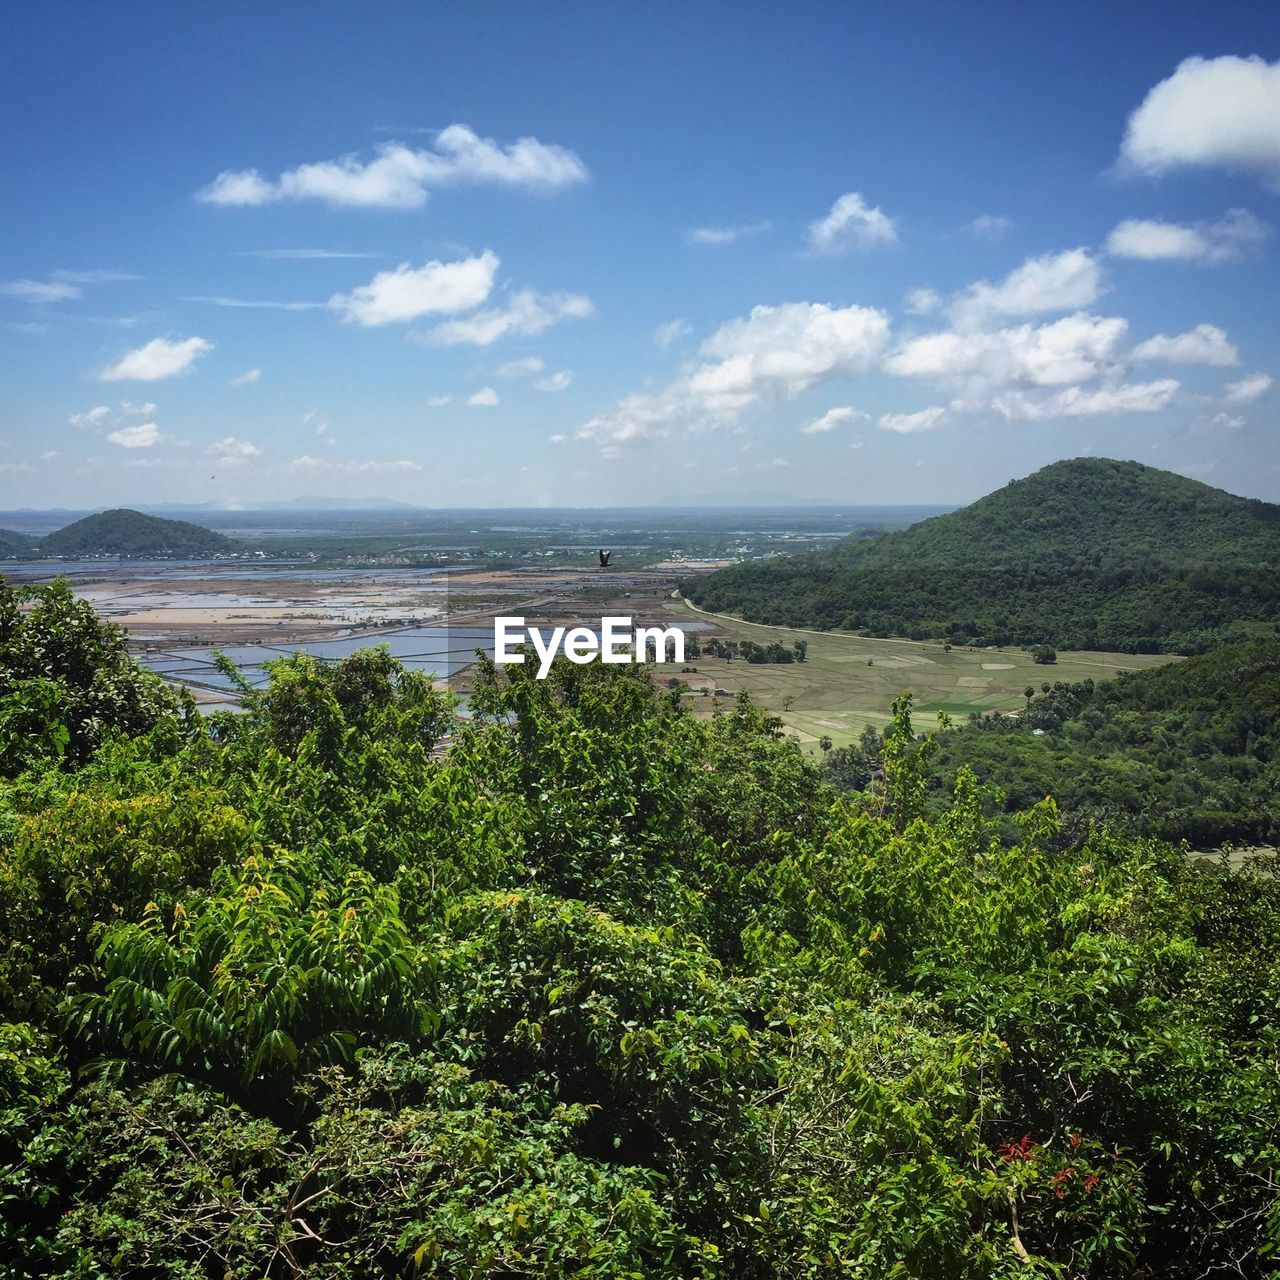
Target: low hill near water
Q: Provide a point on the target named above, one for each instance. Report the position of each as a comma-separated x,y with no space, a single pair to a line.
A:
122,532
14,546
1090,553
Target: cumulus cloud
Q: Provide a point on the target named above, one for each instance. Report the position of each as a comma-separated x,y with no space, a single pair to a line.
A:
230,452
1055,282
1211,113
486,397
772,355
668,334
1248,389
39,291
906,423
840,416
1078,402
91,418
559,381
160,358
143,435
400,177
976,363
922,302
1205,344
1228,239
726,235
247,377
851,224
408,292
527,313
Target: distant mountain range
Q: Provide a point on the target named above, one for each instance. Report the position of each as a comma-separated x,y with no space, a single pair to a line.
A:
1088,553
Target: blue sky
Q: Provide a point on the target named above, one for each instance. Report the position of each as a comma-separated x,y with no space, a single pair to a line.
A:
585,254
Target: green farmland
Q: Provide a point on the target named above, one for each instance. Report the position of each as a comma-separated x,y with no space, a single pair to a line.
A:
848,682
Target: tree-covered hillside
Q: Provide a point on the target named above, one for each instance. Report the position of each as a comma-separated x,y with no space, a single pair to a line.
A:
585,987
1089,553
13,546
1186,751
126,533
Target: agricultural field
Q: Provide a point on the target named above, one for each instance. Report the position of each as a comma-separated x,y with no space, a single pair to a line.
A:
848,682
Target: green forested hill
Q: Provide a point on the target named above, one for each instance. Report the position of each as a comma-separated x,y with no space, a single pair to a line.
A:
14,545
1089,553
1187,751
122,532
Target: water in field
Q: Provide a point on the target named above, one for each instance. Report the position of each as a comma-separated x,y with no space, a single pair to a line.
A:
442,651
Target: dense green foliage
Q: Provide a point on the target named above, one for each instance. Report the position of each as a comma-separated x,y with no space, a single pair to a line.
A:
13,546
1188,751
1086,554
126,533
66,679
596,989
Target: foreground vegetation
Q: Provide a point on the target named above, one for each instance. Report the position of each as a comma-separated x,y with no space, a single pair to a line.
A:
1085,554
600,990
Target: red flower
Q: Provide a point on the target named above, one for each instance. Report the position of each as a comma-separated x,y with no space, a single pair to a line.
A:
1090,1181
1020,1150
1056,1182
1076,1140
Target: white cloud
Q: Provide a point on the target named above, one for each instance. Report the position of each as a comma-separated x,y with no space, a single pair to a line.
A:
842,415
486,397
526,313
726,235
905,423
247,377
14,468
668,334
408,292
774,354
1221,422
558,438
142,436
851,224
252,304
990,226
313,465
1055,282
48,455
91,418
94,276
1220,113
1248,389
1205,344
521,368
304,255
975,364
438,402
38,291
559,381
400,177
1078,402
158,359
1228,239
230,452
920,302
